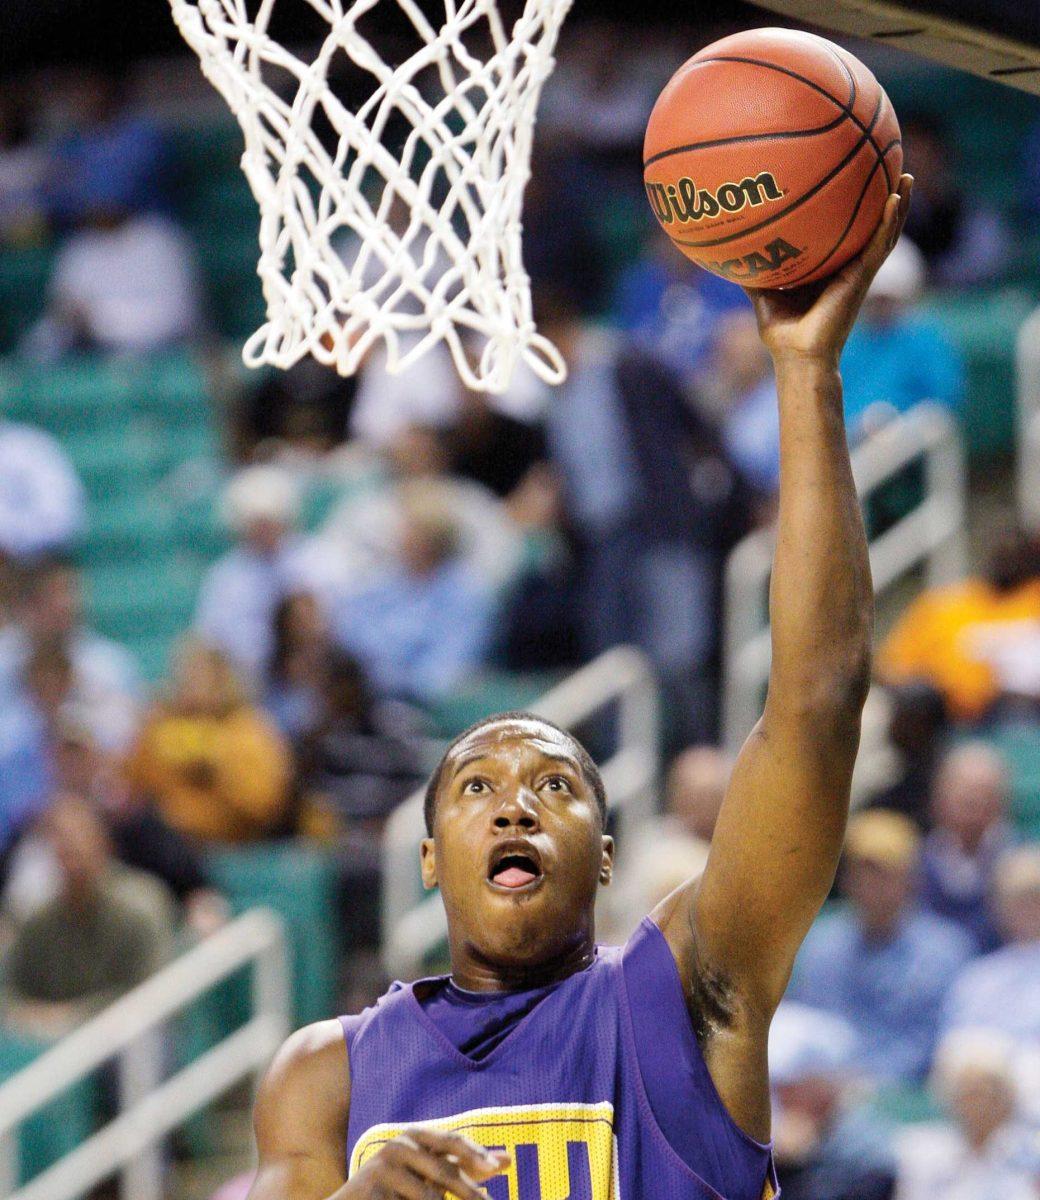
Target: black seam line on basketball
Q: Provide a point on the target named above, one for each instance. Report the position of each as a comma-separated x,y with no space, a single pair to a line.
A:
852,103
760,62
844,66
846,109
750,137
845,233
732,237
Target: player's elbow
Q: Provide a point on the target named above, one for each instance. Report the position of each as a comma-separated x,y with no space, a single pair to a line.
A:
830,694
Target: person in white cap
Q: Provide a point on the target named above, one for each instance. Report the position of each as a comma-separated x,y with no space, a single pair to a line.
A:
984,1150
896,357
828,1145
242,589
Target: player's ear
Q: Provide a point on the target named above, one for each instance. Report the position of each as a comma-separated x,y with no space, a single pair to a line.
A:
606,867
428,862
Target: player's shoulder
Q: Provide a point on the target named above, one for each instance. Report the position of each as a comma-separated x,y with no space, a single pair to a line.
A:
312,1061
303,1105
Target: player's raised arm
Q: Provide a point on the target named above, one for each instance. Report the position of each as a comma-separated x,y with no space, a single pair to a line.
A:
780,831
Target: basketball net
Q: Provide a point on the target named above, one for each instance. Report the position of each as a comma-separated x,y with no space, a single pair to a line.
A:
432,226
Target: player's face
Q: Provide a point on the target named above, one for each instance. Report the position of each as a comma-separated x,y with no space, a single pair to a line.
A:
518,847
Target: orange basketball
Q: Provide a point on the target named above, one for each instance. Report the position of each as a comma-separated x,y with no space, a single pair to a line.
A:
769,156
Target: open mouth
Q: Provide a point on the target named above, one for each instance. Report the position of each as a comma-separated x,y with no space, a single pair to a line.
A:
514,869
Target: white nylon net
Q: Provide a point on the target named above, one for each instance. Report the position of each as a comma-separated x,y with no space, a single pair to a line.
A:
412,238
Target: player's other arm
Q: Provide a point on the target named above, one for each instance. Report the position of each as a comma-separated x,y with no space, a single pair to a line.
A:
301,1135
735,933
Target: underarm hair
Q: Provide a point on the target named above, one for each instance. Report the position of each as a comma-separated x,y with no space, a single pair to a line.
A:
710,1000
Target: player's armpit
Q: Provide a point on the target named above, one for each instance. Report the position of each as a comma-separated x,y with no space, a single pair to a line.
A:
300,1117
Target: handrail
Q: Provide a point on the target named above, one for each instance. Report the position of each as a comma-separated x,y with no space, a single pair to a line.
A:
932,533
1027,387
413,923
127,1028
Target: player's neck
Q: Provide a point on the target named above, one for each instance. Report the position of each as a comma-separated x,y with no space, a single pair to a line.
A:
473,973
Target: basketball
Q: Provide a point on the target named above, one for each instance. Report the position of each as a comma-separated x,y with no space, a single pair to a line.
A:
769,155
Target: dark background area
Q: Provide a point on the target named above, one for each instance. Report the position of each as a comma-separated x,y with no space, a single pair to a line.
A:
39,33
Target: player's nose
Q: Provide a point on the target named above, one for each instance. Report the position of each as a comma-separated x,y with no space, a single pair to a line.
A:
518,810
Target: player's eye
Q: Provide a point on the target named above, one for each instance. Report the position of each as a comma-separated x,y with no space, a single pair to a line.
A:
474,787
557,783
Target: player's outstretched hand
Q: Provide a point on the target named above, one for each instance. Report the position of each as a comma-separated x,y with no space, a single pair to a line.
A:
424,1164
814,321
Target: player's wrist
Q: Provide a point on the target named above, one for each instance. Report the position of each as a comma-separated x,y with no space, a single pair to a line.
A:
797,358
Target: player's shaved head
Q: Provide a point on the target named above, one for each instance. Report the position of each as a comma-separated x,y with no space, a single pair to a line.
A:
514,722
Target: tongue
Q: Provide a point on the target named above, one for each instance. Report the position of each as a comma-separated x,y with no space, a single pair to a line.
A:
514,877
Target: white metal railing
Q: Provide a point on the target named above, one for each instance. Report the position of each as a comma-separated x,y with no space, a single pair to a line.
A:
130,1030
1027,364
414,923
932,533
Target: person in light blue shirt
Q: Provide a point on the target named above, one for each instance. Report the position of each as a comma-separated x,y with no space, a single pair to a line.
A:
1002,990
420,627
895,357
240,593
883,964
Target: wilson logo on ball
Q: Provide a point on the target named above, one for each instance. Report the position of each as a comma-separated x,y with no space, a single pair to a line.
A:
684,201
755,263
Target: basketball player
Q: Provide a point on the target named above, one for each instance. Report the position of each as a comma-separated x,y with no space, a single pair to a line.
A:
545,1067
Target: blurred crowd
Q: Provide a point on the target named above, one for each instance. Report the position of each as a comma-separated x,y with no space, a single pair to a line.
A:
521,533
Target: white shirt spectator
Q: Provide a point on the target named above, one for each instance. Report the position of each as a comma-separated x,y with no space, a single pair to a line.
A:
106,682
42,503
133,286
425,394
936,1160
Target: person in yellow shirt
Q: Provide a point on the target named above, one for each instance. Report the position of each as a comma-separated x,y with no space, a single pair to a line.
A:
948,634
215,767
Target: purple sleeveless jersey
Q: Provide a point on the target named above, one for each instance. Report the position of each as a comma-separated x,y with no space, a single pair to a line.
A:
564,1092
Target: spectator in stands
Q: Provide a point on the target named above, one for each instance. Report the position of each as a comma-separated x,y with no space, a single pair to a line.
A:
361,755
695,788
421,627
26,776
916,725
298,415
884,965
964,239
125,279
121,284
105,678
139,837
652,868
970,834
42,502
984,1150
23,175
105,150
215,767
653,503
674,307
299,656
107,930
361,538
827,1147
742,388
896,357
947,635
1002,990
242,590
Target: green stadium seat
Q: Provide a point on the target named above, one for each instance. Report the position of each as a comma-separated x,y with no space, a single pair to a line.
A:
299,883
905,1104
23,291
496,691
984,326
1019,745
60,1126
